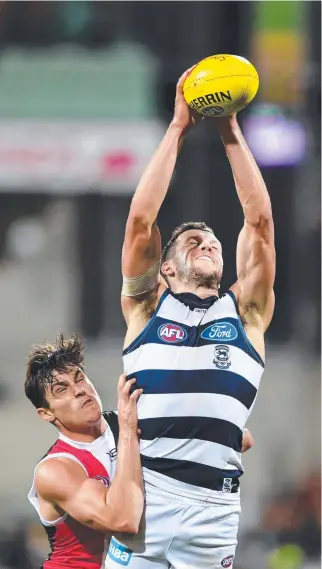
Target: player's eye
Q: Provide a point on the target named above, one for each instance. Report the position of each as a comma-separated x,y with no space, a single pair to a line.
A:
60,389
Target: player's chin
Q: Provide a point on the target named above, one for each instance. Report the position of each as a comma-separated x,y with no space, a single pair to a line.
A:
205,267
93,411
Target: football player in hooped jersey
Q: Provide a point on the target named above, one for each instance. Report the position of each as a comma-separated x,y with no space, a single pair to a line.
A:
198,356
72,491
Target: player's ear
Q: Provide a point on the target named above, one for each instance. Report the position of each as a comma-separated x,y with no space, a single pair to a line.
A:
167,269
46,414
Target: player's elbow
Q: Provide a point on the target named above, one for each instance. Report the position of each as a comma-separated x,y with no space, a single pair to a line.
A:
127,524
140,219
248,440
127,518
260,225
259,217
131,526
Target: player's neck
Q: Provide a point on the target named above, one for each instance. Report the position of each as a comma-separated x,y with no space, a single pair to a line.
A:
198,290
87,435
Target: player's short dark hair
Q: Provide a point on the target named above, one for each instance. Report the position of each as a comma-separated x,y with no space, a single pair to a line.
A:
44,360
169,249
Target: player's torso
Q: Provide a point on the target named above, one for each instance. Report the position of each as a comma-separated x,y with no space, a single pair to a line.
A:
200,377
72,544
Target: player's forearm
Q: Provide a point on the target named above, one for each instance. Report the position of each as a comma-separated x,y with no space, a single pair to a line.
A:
126,495
250,186
156,179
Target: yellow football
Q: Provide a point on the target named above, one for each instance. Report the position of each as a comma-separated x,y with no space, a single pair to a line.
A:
221,85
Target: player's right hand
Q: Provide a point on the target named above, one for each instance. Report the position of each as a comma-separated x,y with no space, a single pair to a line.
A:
184,116
127,405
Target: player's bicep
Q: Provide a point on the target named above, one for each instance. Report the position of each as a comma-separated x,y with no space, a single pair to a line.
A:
65,484
256,264
141,247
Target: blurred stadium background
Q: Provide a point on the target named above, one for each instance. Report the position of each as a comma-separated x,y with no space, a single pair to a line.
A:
86,92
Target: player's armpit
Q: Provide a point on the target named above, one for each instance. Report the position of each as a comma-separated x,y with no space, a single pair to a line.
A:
256,269
64,483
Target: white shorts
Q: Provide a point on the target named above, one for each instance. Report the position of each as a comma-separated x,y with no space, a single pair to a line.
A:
178,533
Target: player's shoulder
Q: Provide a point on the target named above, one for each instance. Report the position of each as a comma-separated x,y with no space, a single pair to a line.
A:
54,476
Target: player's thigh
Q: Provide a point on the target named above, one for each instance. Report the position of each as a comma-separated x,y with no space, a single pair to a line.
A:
208,538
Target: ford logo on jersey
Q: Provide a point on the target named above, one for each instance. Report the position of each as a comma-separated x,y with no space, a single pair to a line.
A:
221,332
171,333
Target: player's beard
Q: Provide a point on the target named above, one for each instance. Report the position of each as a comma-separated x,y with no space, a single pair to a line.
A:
192,276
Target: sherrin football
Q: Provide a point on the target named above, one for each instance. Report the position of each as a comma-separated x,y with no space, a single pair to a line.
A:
221,85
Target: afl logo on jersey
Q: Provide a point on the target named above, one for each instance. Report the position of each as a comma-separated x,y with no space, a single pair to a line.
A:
221,332
171,333
104,479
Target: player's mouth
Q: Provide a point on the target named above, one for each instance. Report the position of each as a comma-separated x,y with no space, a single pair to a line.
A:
206,258
87,401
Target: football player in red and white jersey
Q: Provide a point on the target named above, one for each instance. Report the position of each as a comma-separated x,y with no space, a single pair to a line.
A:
72,490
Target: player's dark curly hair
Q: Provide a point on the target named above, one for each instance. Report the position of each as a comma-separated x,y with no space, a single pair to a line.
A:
169,249
44,360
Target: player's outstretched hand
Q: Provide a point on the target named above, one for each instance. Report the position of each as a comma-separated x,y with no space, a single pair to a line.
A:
184,116
127,405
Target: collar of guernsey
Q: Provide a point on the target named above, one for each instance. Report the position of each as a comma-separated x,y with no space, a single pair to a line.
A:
200,376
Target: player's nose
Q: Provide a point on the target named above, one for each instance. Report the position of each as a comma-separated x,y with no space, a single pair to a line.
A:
205,245
79,391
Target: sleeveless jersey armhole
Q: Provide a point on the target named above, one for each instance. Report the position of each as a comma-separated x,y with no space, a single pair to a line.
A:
33,497
134,343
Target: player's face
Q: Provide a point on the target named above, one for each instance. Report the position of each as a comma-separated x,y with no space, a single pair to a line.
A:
199,253
73,401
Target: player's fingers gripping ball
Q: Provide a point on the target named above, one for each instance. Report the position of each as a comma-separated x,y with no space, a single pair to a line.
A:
221,85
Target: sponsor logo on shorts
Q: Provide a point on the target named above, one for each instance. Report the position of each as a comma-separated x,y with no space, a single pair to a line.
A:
228,561
227,485
172,333
119,552
104,479
222,332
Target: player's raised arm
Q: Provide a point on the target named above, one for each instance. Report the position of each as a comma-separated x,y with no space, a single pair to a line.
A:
142,243
255,248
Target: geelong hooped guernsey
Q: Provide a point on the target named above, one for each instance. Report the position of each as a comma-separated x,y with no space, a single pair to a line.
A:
200,376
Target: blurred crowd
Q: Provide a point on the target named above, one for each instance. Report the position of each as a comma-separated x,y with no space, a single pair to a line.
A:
289,534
